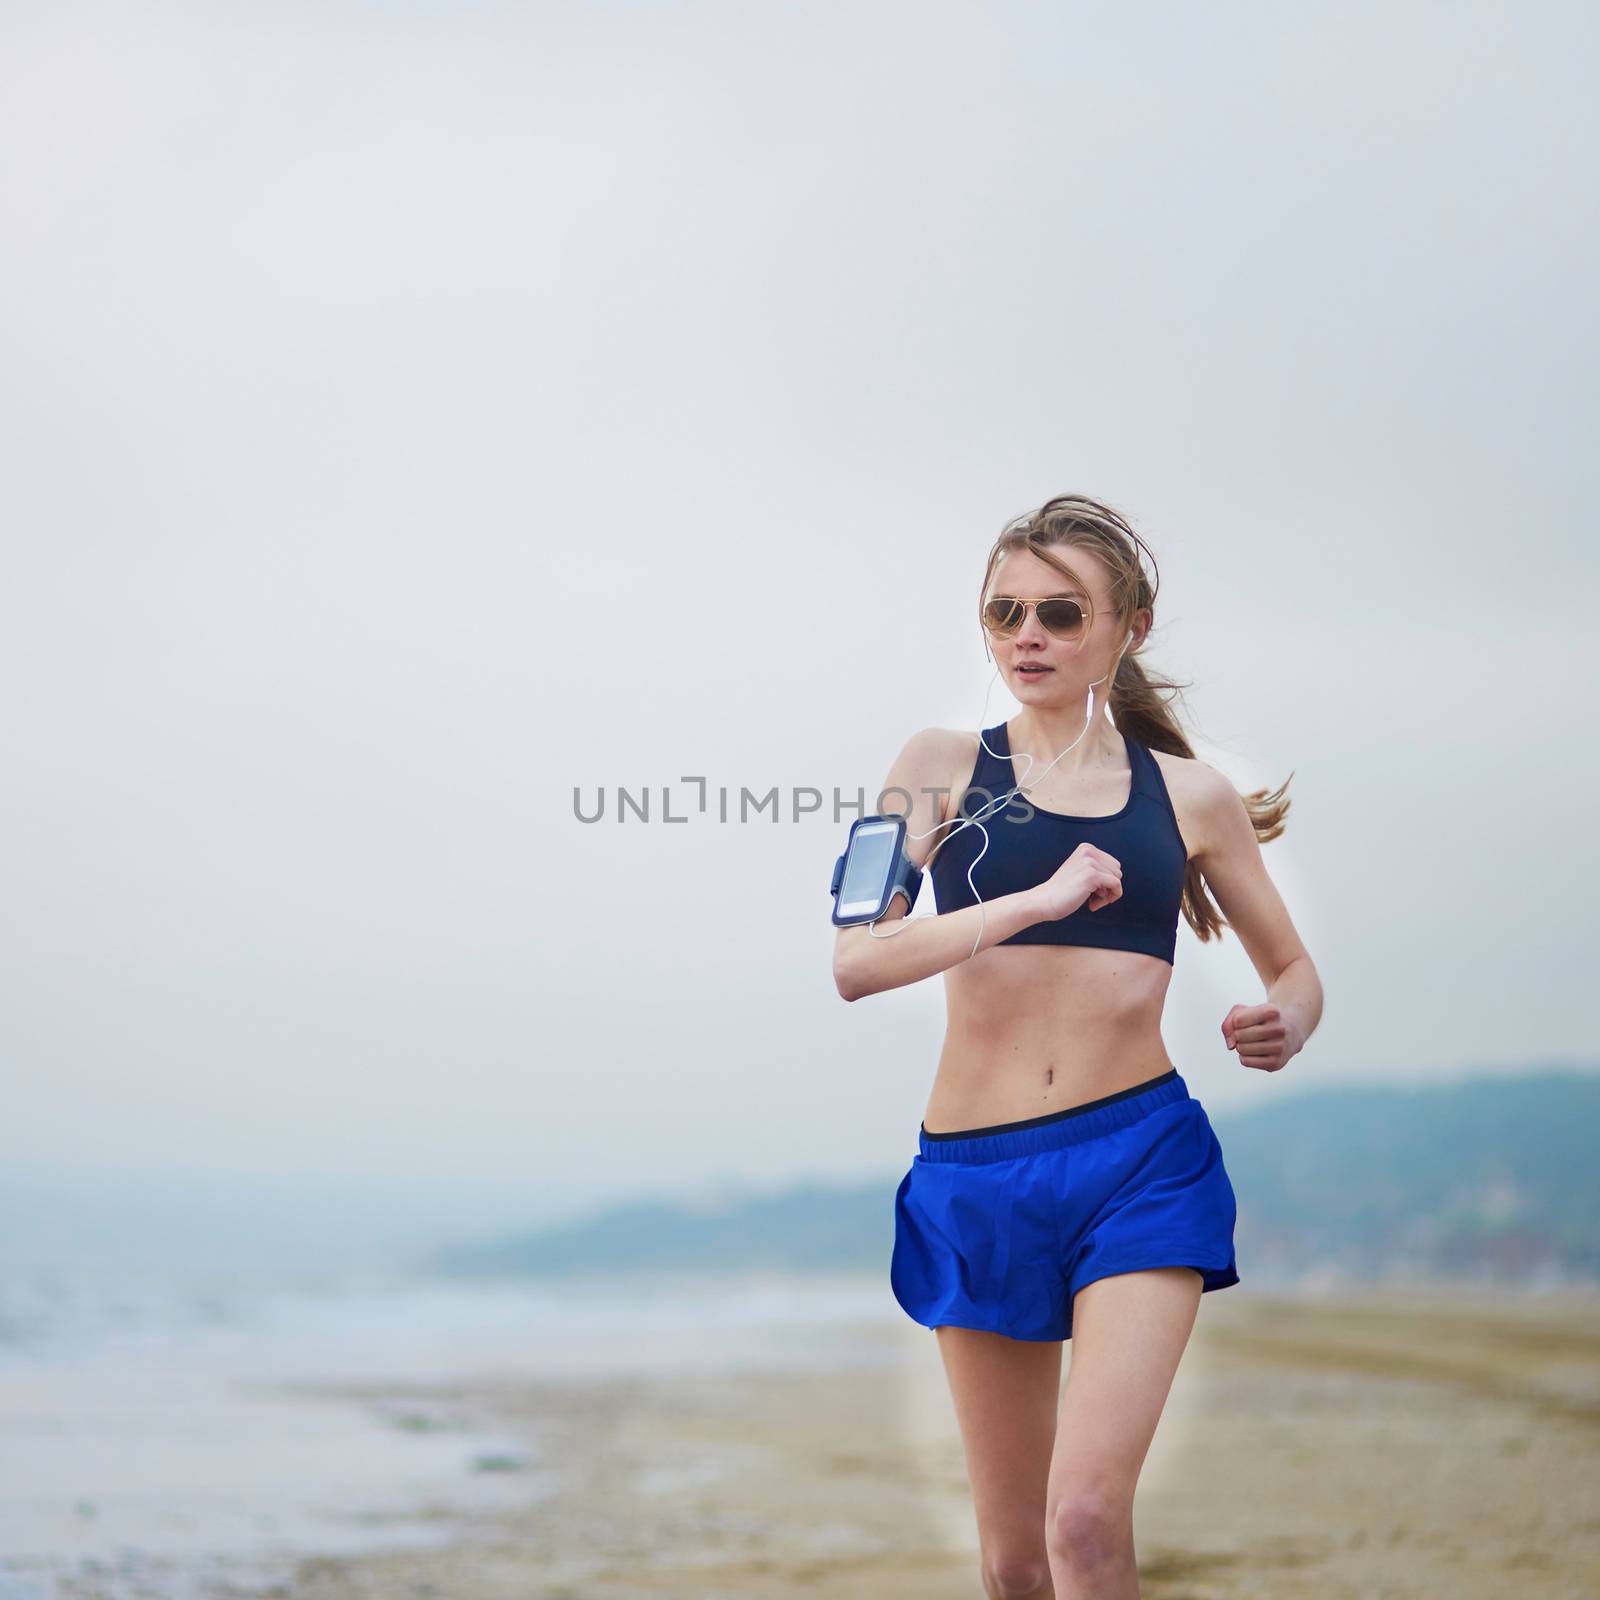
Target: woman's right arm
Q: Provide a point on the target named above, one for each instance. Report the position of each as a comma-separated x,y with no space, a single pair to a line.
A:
864,964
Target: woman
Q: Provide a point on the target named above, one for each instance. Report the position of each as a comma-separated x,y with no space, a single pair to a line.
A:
1068,1185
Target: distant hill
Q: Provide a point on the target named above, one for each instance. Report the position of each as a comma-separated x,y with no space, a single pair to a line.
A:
1492,1178
1488,1179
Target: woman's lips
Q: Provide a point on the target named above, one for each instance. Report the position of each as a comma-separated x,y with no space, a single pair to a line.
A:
1034,672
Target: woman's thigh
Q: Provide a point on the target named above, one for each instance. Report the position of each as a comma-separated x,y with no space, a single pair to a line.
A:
1006,1392
1129,1332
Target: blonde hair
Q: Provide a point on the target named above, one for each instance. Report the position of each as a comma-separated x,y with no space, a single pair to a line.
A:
1140,701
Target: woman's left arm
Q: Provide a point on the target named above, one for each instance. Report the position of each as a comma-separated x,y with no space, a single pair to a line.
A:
1229,855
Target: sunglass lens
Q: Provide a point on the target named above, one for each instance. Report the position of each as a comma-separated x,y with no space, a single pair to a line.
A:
1003,616
1064,618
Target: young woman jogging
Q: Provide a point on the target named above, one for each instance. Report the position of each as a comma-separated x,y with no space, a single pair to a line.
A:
1067,1183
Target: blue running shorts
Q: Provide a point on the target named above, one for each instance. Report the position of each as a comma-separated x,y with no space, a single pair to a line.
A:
998,1228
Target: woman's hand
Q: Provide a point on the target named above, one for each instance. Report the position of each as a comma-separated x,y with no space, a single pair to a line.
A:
1088,875
1262,1036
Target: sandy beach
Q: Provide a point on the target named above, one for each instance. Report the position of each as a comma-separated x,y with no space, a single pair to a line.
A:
1403,1445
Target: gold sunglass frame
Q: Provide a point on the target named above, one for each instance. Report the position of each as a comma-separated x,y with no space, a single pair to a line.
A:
1028,602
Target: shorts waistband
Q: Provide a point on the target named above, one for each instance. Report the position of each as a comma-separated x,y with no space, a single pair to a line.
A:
1005,1141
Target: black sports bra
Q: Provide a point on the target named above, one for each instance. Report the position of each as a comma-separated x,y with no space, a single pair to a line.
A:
1027,844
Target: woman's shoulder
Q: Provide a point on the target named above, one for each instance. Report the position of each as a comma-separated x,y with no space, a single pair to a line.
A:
943,744
1202,798
942,760
1190,776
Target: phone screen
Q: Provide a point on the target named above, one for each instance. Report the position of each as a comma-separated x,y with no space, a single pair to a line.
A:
871,860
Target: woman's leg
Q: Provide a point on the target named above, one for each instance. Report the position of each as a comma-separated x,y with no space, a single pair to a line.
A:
1006,1392
1128,1333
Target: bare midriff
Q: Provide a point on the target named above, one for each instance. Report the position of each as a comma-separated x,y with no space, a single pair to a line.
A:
1032,1029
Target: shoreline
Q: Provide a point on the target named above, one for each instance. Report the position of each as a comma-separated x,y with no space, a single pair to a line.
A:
1313,1448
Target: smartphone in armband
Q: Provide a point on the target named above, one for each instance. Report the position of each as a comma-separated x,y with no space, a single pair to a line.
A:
873,869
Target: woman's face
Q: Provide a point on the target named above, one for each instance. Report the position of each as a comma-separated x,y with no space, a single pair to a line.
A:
1039,668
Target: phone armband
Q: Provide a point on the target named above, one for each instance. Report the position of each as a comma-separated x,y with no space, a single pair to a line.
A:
872,871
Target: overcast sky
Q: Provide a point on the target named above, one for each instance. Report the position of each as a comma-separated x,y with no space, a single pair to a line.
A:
417,413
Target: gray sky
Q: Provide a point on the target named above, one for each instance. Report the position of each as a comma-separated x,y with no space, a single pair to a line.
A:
417,412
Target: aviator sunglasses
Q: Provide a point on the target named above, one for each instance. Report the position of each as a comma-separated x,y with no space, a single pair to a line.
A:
1058,616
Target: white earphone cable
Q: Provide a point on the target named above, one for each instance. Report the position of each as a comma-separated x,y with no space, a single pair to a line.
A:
988,809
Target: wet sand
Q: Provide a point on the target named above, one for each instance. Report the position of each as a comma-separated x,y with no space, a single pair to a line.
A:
1400,1446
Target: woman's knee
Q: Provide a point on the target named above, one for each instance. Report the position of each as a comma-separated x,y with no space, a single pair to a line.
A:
1089,1526
1020,1575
